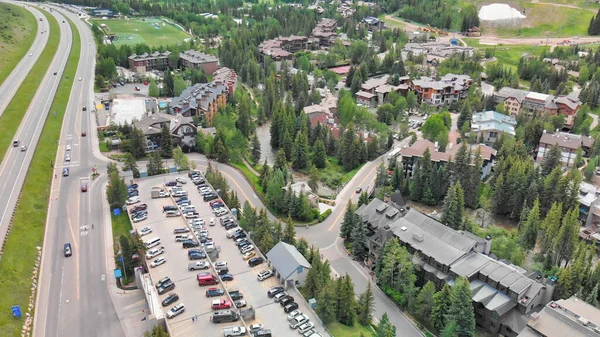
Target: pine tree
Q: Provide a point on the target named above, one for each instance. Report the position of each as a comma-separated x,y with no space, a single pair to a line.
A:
425,301
131,165
319,154
397,177
359,241
348,222
552,160
592,298
289,233
287,145
153,89
346,301
441,307
166,142
256,151
453,207
366,305
363,199
300,151
450,330
531,226
461,308
327,300
385,327
565,241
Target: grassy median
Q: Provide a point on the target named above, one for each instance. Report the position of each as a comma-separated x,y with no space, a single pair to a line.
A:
20,253
16,109
17,34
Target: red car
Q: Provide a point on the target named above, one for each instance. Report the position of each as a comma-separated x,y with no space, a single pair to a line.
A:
146,83
84,188
83,134
140,207
214,202
221,304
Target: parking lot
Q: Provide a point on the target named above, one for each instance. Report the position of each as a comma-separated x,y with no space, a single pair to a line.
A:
267,311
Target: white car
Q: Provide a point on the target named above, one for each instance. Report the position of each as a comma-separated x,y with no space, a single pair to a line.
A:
145,231
293,314
220,264
191,215
265,274
176,310
255,327
181,180
211,222
305,327
196,222
68,148
80,78
221,212
158,262
246,249
67,157
180,193
154,252
234,331
181,238
140,218
133,200
163,194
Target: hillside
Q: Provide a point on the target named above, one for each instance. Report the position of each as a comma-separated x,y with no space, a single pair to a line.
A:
17,32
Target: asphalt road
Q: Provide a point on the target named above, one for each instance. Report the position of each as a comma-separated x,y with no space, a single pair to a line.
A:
74,299
15,164
13,81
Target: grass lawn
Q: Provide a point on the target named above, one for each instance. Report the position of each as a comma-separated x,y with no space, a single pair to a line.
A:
546,20
249,175
508,54
104,147
152,31
16,37
339,330
16,108
121,225
16,266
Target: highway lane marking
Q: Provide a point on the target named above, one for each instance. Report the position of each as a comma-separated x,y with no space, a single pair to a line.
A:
345,207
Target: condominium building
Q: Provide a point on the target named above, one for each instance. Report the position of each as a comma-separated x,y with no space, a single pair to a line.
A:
568,143
503,294
192,59
147,62
325,32
448,89
489,126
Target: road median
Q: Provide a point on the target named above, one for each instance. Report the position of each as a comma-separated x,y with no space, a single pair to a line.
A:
15,111
21,255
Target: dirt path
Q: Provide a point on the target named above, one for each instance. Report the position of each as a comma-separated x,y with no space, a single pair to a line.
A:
562,5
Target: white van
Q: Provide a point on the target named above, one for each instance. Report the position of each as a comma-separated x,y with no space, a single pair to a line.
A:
152,242
232,232
189,208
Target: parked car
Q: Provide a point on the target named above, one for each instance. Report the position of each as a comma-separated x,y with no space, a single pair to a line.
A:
265,274
213,292
181,230
226,277
246,249
234,331
274,291
255,261
255,327
290,307
199,265
306,327
170,299
171,183
166,287
220,304
154,252
181,180
286,300
140,207
145,231
293,314
236,295
240,304
176,310
169,208
158,262
133,200
140,217
133,186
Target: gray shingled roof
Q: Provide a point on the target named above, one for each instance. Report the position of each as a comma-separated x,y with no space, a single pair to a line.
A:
286,259
378,213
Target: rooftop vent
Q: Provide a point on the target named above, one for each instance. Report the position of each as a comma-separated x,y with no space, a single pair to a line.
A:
403,228
386,227
418,237
583,321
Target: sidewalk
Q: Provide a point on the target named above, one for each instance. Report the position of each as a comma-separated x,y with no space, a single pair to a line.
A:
130,305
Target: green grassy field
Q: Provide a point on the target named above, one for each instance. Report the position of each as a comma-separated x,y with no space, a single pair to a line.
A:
546,20
134,31
16,266
17,32
339,330
16,108
508,54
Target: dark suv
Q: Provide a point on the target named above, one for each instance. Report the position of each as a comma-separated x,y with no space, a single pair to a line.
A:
255,261
169,208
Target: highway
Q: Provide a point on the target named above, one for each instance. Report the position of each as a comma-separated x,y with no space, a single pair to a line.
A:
76,301
15,164
17,76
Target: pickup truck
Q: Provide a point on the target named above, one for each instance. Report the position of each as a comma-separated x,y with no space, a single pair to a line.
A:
234,331
199,265
155,193
191,215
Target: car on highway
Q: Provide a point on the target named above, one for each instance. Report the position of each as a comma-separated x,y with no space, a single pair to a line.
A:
170,299
67,157
67,250
83,134
85,108
145,231
157,262
181,180
65,172
137,208
84,187
255,327
274,291
263,275
23,148
55,73
176,310
226,277
214,292
240,304
359,190
16,143
255,261
220,304
154,252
